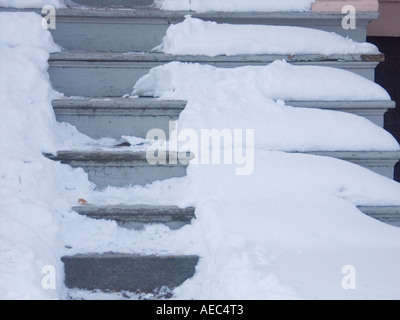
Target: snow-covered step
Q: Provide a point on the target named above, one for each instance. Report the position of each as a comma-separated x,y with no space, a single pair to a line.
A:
381,162
386,214
143,29
127,272
137,216
116,117
122,168
94,74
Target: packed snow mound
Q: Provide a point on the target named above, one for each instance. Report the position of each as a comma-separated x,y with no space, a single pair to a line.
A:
278,80
37,37
29,186
22,4
244,98
235,5
197,37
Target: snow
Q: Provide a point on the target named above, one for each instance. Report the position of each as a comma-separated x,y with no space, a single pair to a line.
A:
22,4
29,186
283,232
197,37
250,91
235,5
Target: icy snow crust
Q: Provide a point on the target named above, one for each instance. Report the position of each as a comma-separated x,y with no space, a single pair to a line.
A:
284,232
197,37
235,5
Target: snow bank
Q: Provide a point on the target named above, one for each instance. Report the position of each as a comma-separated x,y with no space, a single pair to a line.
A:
235,5
21,4
241,98
29,188
197,37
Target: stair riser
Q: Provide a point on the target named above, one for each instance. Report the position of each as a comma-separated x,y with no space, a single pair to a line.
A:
104,125
117,79
119,174
388,214
124,34
115,124
128,273
379,162
114,118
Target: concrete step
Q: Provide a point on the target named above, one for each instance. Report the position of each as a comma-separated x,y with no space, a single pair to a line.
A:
121,168
372,110
115,117
142,29
114,74
126,272
386,214
137,216
381,162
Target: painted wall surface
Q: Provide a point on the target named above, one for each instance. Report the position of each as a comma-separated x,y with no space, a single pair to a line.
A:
337,5
388,25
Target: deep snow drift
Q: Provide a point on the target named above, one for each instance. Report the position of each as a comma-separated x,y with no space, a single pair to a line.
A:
235,5
197,37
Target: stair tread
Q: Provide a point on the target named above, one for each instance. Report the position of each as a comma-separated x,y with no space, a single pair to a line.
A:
359,155
151,12
127,272
142,57
132,209
154,103
104,156
137,216
141,155
120,103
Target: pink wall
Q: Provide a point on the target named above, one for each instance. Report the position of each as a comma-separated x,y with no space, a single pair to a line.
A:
337,5
388,25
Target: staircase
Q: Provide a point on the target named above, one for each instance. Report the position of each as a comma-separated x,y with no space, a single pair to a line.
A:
105,53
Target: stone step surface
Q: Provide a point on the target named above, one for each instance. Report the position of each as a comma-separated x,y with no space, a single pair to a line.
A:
127,272
381,162
386,214
115,117
137,216
123,168
141,29
371,110
114,74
